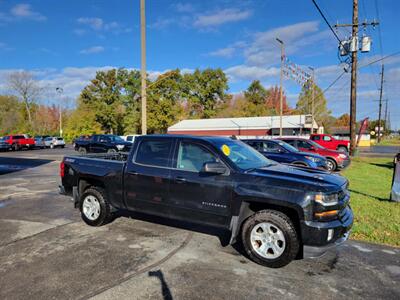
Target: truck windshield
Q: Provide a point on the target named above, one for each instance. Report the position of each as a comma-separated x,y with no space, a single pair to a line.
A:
115,138
242,155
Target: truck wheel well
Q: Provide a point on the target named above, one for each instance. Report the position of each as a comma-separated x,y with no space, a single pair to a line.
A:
290,212
84,184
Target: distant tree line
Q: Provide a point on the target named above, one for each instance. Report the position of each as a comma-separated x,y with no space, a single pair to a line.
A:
110,103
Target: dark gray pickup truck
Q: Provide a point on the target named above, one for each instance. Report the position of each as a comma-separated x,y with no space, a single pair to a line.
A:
278,212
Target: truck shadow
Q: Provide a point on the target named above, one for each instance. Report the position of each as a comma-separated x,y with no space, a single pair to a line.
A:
165,291
13,164
388,165
367,195
222,234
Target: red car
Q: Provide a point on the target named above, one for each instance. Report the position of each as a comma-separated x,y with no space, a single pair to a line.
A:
336,160
19,141
329,142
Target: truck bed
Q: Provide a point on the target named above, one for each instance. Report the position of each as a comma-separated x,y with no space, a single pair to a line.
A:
118,156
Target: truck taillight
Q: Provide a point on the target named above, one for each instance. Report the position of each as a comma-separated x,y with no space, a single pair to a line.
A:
62,169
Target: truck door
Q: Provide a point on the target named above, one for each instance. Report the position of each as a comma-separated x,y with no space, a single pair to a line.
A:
147,176
196,195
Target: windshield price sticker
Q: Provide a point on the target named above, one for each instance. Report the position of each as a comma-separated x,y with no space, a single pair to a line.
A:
226,150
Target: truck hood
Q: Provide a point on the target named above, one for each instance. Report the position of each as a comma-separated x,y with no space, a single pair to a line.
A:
300,174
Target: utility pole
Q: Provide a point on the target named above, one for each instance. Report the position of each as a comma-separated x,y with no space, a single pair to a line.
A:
312,99
353,88
281,88
380,106
60,91
143,65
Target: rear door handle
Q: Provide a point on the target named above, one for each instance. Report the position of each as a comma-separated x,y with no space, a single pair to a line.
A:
180,180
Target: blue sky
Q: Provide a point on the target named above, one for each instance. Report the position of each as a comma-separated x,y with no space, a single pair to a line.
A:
64,42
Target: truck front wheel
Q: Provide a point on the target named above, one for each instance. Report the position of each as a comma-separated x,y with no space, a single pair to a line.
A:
95,209
270,238
342,149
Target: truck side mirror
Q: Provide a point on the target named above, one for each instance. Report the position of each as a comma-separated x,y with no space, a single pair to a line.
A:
213,168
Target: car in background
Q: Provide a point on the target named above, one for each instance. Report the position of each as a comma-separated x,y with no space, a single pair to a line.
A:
336,160
329,142
39,142
54,142
282,152
19,141
3,145
101,143
84,137
129,138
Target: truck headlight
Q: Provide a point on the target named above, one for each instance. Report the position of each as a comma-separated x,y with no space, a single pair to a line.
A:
120,147
327,199
341,155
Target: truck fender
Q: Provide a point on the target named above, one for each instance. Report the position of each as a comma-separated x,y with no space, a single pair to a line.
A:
75,196
236,221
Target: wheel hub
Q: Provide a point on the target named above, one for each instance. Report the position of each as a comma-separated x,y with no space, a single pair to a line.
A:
267,240
91,207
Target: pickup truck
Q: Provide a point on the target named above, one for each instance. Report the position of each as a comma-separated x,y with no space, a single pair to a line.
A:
329,142
278,212
19,141
101,143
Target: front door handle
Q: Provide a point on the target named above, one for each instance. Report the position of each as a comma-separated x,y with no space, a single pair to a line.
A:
180,179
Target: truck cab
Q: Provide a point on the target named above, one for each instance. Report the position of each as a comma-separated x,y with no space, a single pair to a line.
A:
329,142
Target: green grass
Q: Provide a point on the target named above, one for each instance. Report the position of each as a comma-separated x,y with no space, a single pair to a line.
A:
390,142
376,218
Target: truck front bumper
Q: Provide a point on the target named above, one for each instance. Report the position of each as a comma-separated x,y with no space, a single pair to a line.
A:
344,163
319,237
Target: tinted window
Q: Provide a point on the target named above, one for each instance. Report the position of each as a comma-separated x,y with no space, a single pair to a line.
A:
326,138
303,144
154,152
271,147
315,138
18,137
60,139
290,142
129,138
192,157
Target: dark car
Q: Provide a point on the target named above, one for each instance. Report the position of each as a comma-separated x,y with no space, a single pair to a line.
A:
3,145
101,143
278,212
336,160
282,152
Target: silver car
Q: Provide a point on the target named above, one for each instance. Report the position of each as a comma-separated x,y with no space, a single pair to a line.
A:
53,142
39,143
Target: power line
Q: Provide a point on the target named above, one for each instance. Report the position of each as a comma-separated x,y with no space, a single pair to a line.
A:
326,21
379,28
378,60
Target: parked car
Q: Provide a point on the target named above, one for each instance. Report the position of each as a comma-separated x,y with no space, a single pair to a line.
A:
79,138
100,143
3,145
54,142
336,160
129,138
282,152
329,142
19,141
279,212
39,142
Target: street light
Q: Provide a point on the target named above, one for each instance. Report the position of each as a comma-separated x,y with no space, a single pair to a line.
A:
280,93
60,91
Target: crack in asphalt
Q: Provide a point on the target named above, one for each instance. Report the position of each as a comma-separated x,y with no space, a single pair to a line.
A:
140,271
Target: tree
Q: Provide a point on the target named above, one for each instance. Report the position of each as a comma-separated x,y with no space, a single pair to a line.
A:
204,92
304,104
10,114
273,101
343,121
256,93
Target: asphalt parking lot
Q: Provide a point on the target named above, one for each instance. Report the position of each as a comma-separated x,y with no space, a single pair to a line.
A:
47,252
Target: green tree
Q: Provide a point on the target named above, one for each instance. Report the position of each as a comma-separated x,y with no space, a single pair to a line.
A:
256,93
304,104
204,92
11,115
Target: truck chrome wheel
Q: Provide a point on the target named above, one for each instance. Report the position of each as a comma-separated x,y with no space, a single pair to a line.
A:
267,240
91,207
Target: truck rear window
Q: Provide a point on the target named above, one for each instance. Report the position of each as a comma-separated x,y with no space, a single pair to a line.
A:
154,152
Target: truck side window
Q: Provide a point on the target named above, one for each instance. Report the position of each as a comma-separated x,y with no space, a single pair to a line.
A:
327,138
192,157
315,137
154,152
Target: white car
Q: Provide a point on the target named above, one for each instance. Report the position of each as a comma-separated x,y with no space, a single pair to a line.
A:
129,138
53,142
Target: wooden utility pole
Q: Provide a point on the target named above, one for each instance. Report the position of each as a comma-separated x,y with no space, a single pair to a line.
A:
353,89
281,87
380,106
143,65
312,99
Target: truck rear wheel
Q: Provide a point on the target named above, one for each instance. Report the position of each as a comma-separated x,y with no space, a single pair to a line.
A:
95,209
82,150
270,238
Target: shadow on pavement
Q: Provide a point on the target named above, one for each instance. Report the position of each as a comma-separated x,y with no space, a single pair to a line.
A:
13,164
367,195
166,292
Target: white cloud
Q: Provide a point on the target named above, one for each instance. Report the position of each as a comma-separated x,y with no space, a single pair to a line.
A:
161,23
20,12
220,17
183,7
223,52
92,50
94,23
99,25
243,72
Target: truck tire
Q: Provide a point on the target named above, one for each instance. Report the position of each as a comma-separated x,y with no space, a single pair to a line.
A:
51,146
15,147
270,238
342,149
94,207
82,150
111,151
331,164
